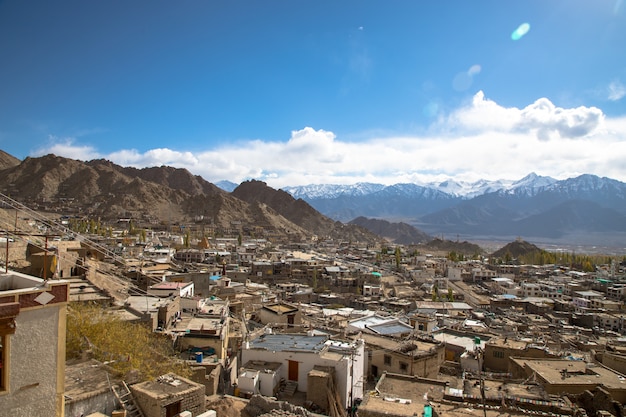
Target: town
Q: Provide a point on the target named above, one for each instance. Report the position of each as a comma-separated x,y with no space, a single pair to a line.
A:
255,325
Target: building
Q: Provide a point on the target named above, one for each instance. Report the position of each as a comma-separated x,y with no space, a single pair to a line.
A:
415,357
88,388
499,350
168,396
280,313
208,329
560,376
260,377
32,345
387,326
167,289
303,355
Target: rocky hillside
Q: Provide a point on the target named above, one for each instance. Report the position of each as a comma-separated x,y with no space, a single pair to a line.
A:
7,161
446,246
157,195
516,249
257,193
400,233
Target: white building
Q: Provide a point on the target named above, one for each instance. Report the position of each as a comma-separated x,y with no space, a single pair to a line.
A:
166,289
300,354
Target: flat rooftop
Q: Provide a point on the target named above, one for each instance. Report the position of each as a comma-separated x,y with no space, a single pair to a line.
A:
166,385
280,308
398,345
262,365
289,342
85,379
568,372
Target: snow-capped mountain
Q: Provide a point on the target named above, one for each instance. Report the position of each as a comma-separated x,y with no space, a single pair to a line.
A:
534,205
584,208
314,191
463,189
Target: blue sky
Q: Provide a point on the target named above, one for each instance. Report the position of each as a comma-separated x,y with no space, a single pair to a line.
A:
299,92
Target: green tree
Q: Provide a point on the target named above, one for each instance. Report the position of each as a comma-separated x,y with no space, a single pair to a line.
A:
187,240
398,256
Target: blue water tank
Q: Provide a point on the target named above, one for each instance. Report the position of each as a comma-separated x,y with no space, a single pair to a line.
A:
199,357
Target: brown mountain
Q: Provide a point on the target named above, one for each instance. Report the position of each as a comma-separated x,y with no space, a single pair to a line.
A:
400,233
300,212
7,161
516,249
446,246
101,188
163,195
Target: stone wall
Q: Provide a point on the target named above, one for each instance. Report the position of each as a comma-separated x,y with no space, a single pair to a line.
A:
153,402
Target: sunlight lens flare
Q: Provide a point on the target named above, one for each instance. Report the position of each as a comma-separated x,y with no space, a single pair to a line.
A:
520,31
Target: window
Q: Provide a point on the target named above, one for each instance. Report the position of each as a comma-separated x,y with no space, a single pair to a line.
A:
498,354
387,360
404,366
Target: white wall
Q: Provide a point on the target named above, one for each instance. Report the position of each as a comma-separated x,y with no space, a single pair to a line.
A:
308,360
33,374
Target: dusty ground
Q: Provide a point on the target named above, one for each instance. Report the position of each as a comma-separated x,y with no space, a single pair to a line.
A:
227,406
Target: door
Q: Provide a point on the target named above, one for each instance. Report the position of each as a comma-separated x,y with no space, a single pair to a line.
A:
172,410
293,371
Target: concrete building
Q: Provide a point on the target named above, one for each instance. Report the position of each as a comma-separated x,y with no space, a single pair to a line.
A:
280,313
561,376
209,329
260,377
375,324
32,345
415,357
301,354
166,289
499,350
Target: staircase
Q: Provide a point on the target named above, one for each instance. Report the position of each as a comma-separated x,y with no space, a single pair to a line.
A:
125,397
290,388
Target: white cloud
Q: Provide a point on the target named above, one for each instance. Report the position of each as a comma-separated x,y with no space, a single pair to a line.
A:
617,91
480,140
65,147
542,118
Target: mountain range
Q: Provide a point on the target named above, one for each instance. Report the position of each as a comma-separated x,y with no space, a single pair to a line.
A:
586,209
165,196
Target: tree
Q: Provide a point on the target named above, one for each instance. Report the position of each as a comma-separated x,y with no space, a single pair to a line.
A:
187,238
124,345
435,293
398,255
